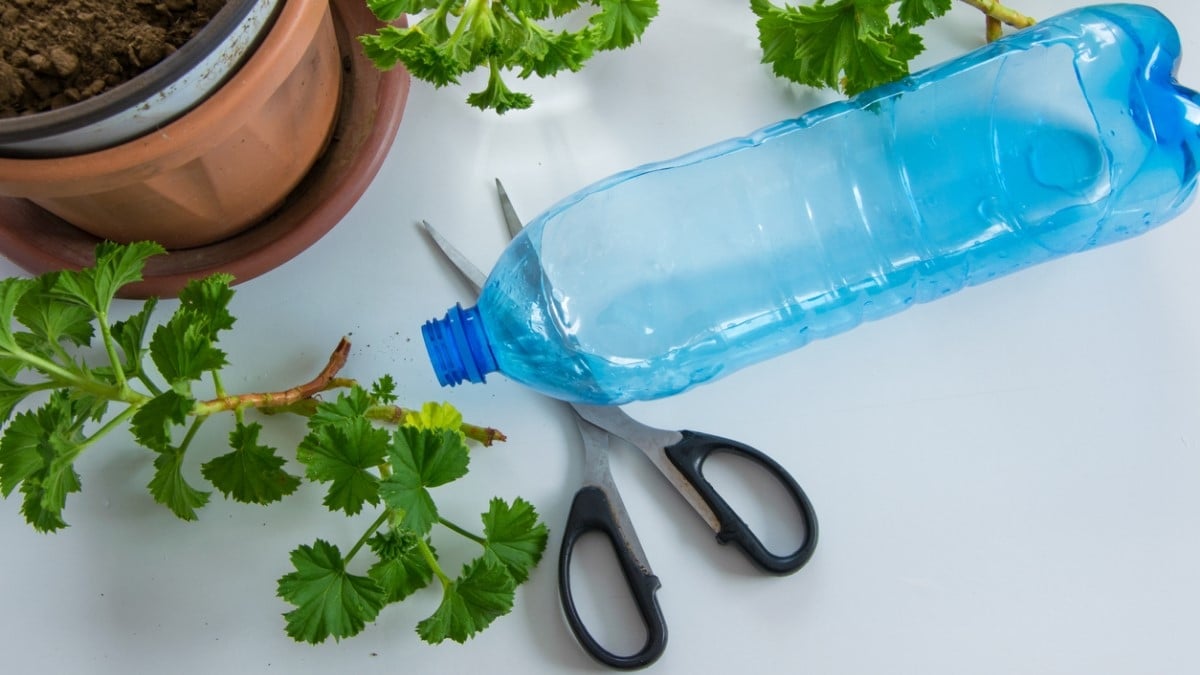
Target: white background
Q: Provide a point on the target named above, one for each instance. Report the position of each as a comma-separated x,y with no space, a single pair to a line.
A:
1007,480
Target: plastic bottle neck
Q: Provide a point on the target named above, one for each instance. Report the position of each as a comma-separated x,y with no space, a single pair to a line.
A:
458,346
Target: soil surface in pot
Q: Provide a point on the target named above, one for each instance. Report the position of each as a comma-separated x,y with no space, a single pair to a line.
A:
57,52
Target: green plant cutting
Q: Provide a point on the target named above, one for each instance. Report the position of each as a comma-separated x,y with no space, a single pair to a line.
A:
71,376
847,45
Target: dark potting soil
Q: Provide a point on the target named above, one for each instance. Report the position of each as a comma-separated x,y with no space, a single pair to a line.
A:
56,52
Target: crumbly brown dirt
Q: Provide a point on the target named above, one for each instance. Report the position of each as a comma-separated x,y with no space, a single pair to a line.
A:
56,52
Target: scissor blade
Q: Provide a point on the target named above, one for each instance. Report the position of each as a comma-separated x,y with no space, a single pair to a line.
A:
466,268
653,443
617,422
511,220
596,473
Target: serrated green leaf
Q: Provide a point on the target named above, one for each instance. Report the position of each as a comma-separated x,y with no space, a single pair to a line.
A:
45,498
383,390
421,459
348,407
183,350
531,9
508,37
401,569
207,300
390,10
503,36
36,515
918,12
10,365
152,423
20,457
116,265
850,45
50,323
329,601
253,473
432,457
171,489
343,455
891,51
46,494
11,292
52,429
384,47
564,7
470,603
540,10
548,52
497,96
151,426
414,502
514,536
37,452
390,45
11,395
620,23
435,417
130,336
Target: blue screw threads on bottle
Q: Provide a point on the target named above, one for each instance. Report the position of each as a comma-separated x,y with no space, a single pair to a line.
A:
1063,137
458,347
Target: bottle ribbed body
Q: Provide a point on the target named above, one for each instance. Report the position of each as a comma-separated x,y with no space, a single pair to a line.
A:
1067,136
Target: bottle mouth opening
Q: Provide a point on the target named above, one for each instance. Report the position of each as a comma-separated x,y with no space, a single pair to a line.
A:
458,347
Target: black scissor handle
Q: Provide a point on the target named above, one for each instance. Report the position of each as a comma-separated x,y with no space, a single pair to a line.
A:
689,455
591,511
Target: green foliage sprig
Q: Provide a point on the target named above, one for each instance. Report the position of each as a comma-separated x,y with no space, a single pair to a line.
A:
500,35
146,378
848,45
853,45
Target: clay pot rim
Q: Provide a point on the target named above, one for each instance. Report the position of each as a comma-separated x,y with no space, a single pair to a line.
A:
224,111
132,92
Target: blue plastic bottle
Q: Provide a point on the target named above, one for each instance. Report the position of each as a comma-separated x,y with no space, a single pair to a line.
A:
1068,135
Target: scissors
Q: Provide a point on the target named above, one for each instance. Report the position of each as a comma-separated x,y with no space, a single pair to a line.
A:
597,505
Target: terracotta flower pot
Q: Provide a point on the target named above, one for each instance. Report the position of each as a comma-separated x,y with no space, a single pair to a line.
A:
218,169
369,109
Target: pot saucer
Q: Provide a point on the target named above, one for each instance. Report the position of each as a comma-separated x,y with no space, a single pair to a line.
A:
372,103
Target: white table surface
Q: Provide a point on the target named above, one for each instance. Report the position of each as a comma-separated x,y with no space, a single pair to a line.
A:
1007,480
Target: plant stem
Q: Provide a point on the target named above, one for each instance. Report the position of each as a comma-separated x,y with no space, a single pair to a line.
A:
280,398
367,535
191,433
1001,13
472,12
993,29
219,388
395,414
150,385
431,560
60,351
103,431
110,346
466,533
485,435
298,399
64,377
